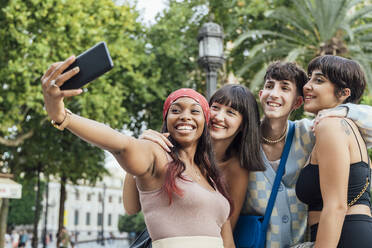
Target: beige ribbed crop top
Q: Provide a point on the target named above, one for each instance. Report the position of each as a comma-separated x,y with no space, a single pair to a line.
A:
199,212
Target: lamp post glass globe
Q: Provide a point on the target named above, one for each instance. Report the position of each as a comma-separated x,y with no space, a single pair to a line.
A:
211,58
210,46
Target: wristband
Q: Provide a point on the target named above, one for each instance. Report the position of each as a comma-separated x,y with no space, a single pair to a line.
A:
61,126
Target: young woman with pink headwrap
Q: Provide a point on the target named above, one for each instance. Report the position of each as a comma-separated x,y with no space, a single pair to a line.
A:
181,193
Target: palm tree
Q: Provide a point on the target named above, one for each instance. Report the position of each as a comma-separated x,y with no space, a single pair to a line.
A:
311,28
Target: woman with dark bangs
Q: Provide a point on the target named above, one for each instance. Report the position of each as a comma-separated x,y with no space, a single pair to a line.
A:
235,135
181,193
335,183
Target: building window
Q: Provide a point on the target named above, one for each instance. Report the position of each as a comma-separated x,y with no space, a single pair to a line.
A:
100,197
119,199
87,220
88,197
109,220
77,195
99,219
76,217
110,198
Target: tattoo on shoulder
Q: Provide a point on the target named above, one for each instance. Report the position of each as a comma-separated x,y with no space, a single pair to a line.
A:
345,126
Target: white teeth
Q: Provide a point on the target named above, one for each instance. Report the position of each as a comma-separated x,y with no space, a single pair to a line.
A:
308,97
218,126
184,128
272,104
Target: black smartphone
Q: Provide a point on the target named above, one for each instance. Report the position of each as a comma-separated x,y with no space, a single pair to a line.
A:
92,63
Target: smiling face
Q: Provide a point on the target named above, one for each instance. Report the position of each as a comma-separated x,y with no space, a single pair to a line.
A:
278,98
225,122
185,121
320,93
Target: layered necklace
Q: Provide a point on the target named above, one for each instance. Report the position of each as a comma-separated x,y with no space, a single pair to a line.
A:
270,141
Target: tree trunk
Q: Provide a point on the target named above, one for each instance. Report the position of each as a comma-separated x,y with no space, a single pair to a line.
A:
3,219
62,200
37,213
45,232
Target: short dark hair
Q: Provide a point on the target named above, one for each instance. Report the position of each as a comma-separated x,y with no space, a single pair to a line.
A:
280,70
246,144
343,73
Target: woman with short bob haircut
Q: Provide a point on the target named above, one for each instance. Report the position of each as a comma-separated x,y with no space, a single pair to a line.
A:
335,184
182,196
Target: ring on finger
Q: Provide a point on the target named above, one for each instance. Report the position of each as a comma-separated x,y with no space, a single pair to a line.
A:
53,83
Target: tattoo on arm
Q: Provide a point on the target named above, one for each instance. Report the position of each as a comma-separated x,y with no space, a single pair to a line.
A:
345,126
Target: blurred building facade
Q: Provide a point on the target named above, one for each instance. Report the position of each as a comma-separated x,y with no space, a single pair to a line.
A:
84,208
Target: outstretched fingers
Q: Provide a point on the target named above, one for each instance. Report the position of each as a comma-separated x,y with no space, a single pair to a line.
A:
52,76
66,76
61,67
45,78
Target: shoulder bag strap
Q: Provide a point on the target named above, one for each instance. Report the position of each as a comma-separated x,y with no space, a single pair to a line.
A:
278,177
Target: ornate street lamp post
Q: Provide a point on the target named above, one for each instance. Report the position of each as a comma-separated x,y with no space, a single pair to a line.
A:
211,58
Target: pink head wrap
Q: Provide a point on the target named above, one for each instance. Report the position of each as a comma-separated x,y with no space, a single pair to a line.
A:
185,92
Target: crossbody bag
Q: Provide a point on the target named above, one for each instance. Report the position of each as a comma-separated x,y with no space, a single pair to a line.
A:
250,230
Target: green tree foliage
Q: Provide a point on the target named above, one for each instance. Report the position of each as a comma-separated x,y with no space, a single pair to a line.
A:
21,211
34,34
309,28
238,17
71,158
56,153
173,42
131,223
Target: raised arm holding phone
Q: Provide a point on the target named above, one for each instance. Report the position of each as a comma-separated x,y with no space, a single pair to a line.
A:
185,184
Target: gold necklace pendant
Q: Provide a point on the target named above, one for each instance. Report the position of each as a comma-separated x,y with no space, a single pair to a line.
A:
277,140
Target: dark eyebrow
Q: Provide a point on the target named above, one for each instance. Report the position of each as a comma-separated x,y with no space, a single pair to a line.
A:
319,74
285,83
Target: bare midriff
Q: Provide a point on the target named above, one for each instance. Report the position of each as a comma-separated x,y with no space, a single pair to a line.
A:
314,216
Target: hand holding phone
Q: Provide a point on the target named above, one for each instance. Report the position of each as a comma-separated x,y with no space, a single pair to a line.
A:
92,63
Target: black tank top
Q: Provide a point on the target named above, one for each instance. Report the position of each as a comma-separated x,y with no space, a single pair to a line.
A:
308,185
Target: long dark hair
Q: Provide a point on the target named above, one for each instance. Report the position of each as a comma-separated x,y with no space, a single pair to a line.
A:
203,158
246,144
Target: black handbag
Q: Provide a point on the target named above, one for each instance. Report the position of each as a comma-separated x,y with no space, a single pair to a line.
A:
143,240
